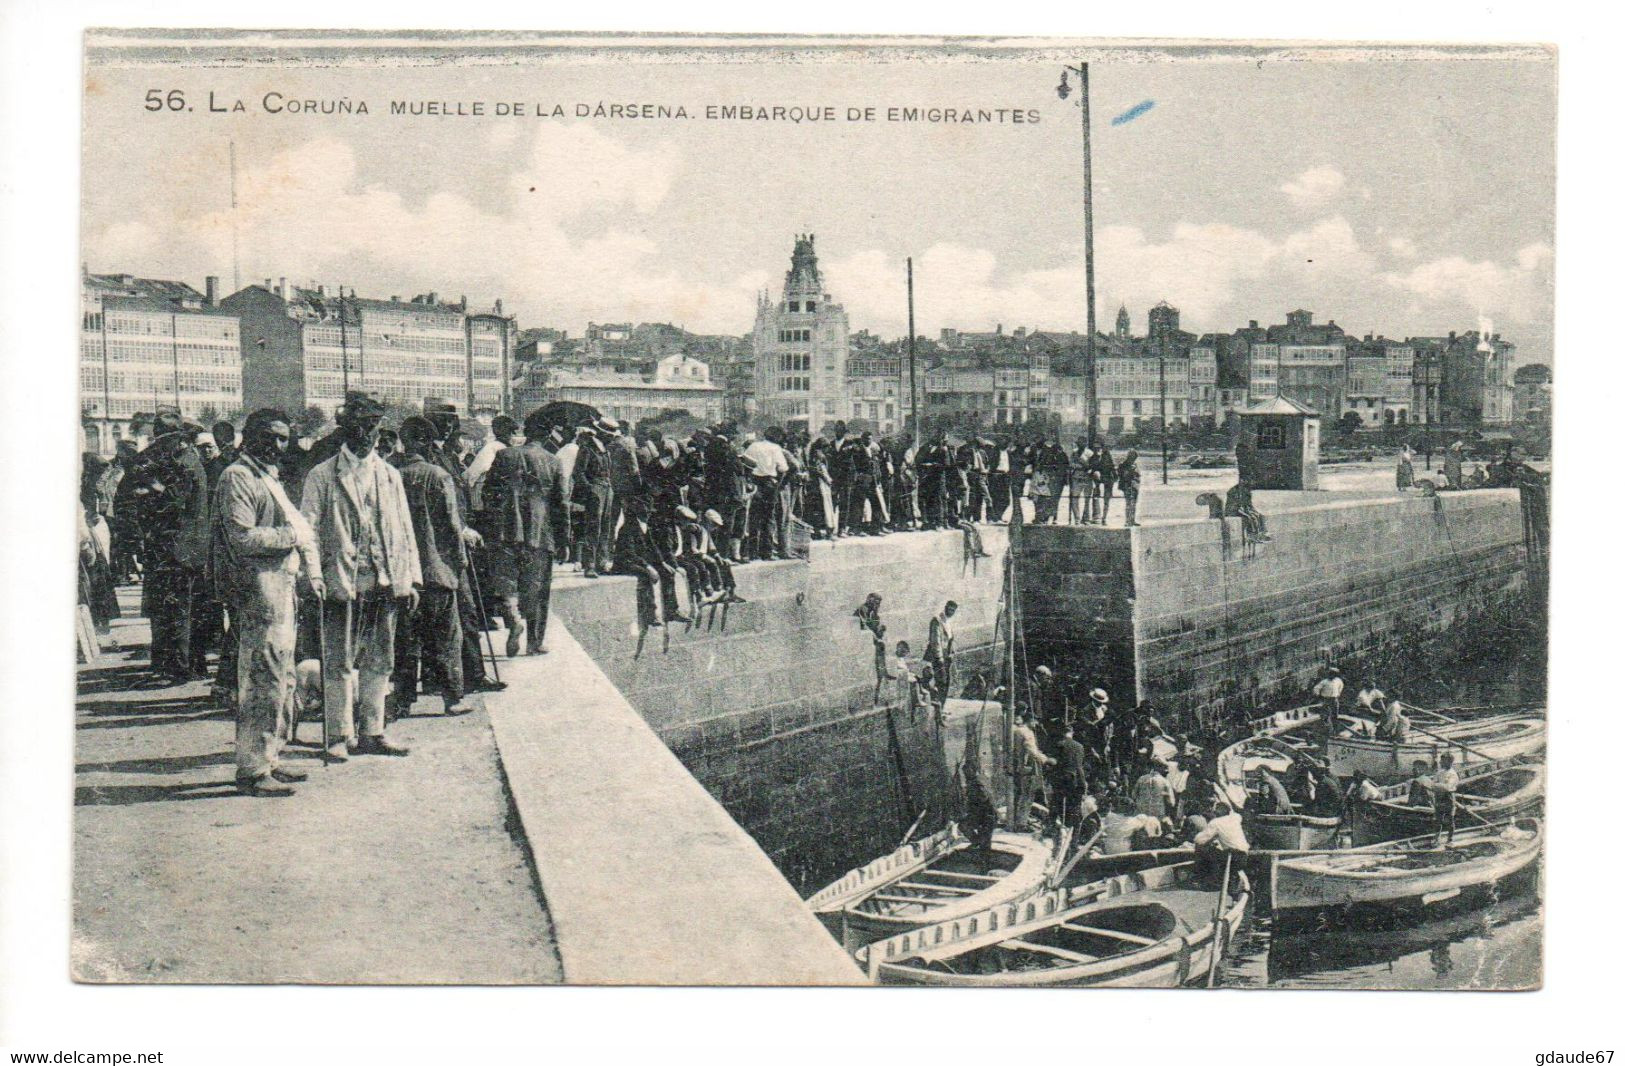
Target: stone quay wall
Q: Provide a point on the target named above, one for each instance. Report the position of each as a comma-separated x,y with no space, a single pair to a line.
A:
770,704
1211,629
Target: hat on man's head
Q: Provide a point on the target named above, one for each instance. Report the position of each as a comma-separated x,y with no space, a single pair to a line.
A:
433,405
607,425
1099,695
165,419
358,404
583,431
687,514
713,518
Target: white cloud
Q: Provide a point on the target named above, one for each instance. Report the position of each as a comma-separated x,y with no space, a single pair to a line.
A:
1315,187
563,239
1403,247
1216,274
1517,291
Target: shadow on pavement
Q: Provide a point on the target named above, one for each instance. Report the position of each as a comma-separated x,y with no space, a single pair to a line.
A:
125,795
173,764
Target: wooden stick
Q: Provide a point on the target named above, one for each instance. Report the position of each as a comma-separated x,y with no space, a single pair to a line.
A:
1066,868
1218,921
911,828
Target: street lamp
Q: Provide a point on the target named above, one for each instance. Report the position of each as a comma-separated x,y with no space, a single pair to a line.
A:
1063,90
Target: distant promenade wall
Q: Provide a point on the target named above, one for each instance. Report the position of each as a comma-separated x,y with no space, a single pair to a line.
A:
1208,629
770,703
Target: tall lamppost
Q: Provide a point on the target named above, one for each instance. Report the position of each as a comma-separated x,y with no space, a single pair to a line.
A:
1063,90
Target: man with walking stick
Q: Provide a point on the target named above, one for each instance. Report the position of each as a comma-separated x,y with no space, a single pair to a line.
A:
370,570
259,545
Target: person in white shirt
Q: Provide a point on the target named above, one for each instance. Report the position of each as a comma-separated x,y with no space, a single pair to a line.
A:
1223,832
1329,690
504,434
1442,783
1371,700
1030,763
769,517
566,455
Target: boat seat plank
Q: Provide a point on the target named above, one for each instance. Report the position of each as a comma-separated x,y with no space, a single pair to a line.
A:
1045,949
926,887
924,901
1109,933
984,878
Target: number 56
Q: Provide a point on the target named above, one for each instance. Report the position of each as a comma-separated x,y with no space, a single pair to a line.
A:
157,100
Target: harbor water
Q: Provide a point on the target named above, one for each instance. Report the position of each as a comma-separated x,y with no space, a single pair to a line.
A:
1493,946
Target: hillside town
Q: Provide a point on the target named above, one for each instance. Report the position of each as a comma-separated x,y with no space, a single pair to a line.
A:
147,343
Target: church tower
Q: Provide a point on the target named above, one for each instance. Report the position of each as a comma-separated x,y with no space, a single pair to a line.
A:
1122,321
801,347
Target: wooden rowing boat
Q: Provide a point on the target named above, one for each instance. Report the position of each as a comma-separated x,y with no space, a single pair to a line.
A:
1402,880
1277,741
935,879
1488,792
1152,929
1291,832
1475,740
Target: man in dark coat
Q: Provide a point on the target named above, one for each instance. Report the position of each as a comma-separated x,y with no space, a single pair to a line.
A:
444,452
172,491
638,553
724,489
1128,483
524,502
1074,776
429,639
594,491
625,469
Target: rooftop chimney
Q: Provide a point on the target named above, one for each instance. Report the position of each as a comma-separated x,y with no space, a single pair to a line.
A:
499,306
282,289
1252,323
211,291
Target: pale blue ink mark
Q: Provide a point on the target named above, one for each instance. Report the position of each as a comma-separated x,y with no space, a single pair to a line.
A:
1134,112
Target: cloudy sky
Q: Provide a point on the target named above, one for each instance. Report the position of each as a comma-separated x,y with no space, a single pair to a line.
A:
1400,197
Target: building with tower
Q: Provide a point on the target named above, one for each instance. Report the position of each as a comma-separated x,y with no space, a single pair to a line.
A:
801,345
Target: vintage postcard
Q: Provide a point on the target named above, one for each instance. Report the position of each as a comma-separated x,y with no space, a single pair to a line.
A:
967,513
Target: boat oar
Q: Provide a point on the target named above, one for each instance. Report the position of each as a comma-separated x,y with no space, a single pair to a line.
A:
1082,850
1218,918
1431,714
1453,743
912,828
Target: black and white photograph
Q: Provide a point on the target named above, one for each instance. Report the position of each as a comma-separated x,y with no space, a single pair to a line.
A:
959,513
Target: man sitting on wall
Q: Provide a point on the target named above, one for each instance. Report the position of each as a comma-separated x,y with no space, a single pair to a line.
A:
1238,503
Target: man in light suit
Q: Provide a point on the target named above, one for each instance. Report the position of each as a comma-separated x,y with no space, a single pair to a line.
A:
524,500
259,544
357,504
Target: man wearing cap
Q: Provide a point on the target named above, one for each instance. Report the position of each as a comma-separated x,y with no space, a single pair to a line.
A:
524,497
939,645
259,545
428,641
504,434
172,488
446,452
625,471
596,493
638,554
724,490
357,504
1030,764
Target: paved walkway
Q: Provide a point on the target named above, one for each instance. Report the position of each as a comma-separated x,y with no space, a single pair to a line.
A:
380,870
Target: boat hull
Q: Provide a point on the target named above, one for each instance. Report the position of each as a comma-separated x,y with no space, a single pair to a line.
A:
1376,822
1389,762
857,910
1170,963
1312,892
1292,832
